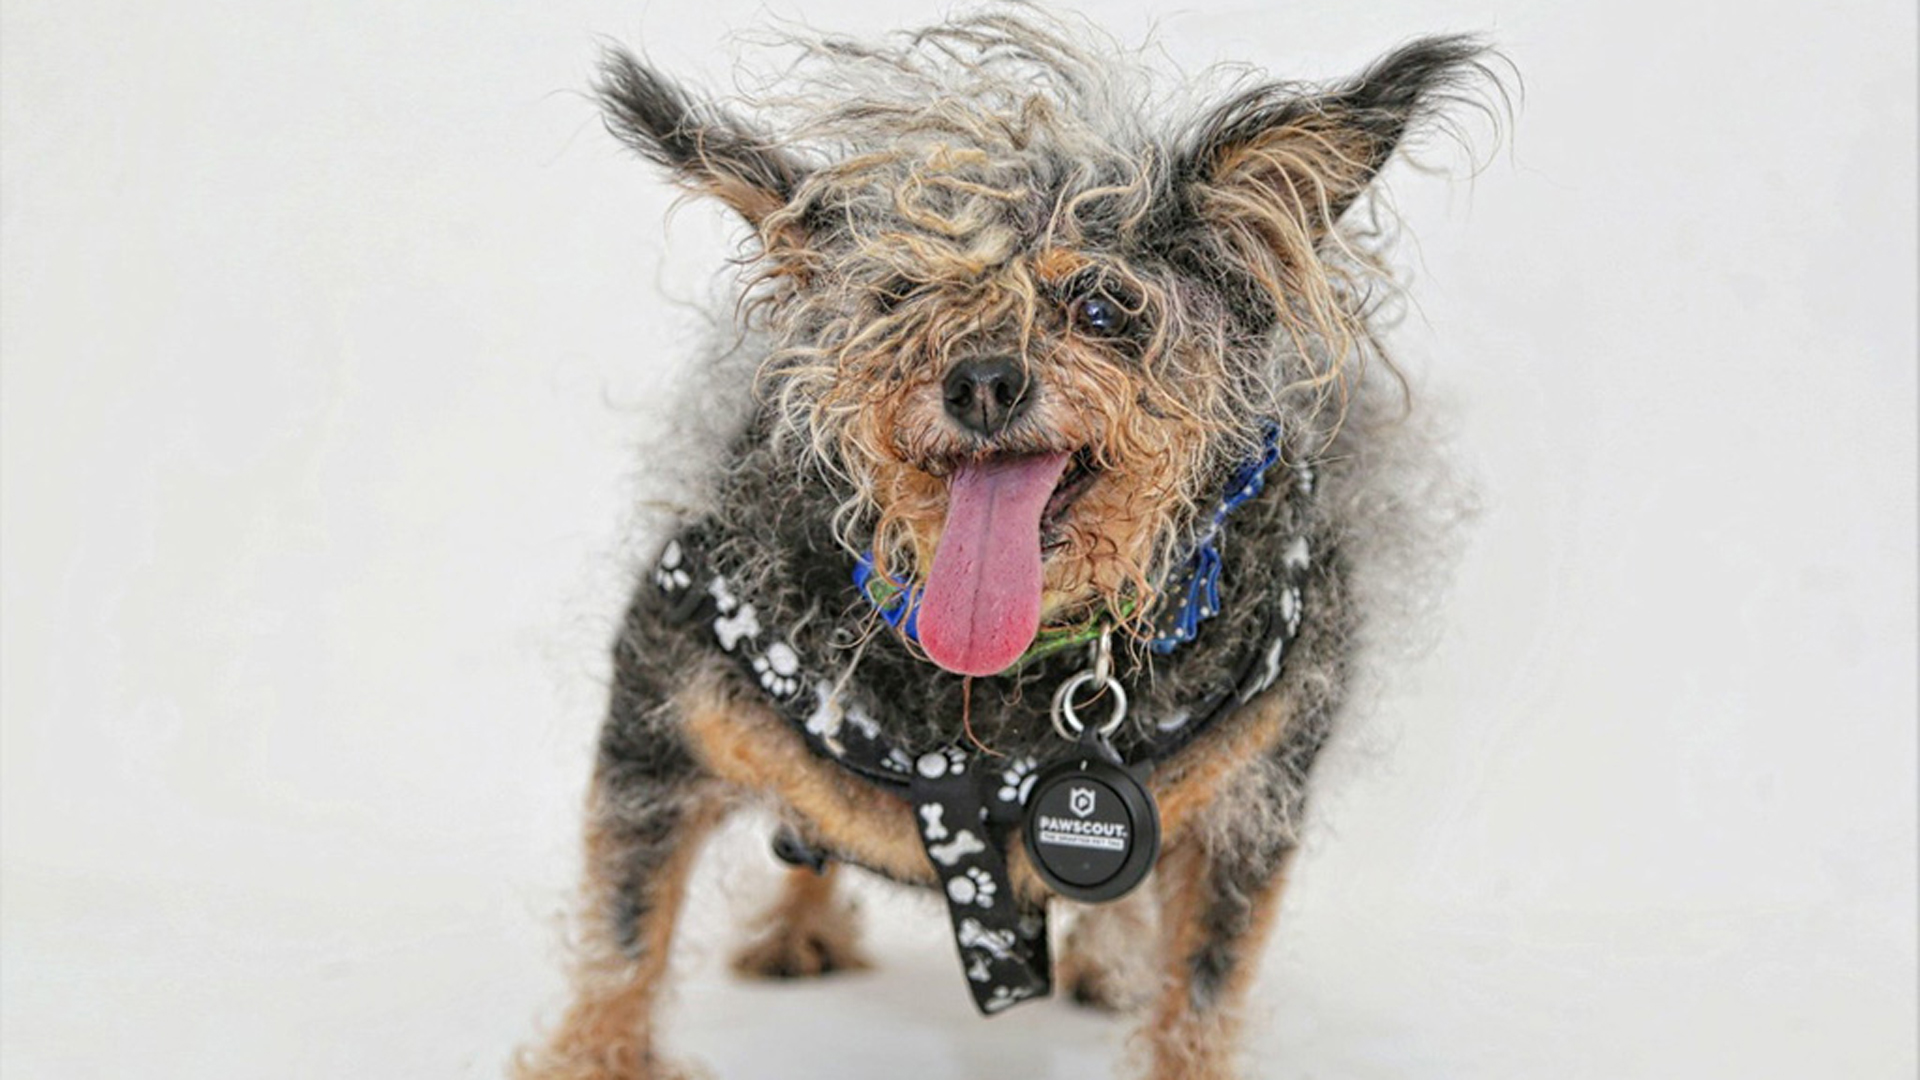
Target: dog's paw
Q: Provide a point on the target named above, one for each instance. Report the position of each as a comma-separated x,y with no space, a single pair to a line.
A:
1096,986
823,942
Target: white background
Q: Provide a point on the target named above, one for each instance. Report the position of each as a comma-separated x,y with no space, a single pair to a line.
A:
330,336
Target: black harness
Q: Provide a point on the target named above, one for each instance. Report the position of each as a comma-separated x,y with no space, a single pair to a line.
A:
967,804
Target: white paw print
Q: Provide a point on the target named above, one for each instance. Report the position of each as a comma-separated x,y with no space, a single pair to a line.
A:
973,887
670,572
1017,780
778,668
935,764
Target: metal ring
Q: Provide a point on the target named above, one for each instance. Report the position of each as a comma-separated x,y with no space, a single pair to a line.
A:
1064,714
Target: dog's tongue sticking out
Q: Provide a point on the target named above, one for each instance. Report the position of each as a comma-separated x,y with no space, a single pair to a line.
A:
981,605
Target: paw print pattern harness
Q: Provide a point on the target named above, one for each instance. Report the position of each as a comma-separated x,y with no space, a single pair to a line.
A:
966,804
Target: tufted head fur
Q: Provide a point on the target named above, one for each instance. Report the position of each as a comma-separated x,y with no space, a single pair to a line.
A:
977,243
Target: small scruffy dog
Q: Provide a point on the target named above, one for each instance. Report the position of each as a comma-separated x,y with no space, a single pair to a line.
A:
1056,382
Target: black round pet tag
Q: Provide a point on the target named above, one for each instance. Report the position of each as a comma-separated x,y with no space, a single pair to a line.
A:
1092,829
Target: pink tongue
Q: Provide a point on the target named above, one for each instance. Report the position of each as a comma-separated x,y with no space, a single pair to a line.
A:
981,606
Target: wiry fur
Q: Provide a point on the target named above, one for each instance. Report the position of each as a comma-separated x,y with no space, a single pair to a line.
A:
959,193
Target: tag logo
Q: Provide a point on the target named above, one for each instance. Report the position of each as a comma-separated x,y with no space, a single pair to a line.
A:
1080,801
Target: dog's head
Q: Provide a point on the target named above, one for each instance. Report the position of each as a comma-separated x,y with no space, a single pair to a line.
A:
1026,316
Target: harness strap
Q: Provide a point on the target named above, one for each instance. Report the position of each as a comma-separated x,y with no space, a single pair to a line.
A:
963,807
1002,939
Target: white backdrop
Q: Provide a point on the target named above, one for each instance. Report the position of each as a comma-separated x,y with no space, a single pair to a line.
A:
330,332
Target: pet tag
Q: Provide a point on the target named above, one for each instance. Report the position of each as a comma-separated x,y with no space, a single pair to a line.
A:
1091,829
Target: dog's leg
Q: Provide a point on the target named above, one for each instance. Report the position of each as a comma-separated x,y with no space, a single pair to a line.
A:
644,831
808,931
1105,963
1217,906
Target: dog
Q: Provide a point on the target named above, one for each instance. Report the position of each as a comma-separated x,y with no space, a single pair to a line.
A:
1064,460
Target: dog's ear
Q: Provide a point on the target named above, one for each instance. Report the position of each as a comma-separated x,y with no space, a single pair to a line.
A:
702,146
1288,162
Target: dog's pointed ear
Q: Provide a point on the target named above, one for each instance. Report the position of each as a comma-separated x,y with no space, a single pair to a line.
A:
701,145
1278,157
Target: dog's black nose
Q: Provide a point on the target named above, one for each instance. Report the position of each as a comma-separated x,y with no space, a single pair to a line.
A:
986,396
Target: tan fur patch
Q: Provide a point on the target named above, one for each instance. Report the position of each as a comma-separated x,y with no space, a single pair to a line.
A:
1186,784
749,745
1056,265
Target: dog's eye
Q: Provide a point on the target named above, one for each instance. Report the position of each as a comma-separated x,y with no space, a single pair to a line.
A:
1100,316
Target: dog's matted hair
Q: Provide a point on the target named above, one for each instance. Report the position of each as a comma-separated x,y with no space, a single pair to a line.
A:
992,247
995,134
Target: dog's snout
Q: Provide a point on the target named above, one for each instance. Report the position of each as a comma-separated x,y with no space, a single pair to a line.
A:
987,395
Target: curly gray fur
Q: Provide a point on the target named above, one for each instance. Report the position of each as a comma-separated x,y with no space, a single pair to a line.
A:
959,192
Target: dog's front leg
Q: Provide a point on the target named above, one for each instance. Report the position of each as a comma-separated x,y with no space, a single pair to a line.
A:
1217,905
650,807
809,931
1104,964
